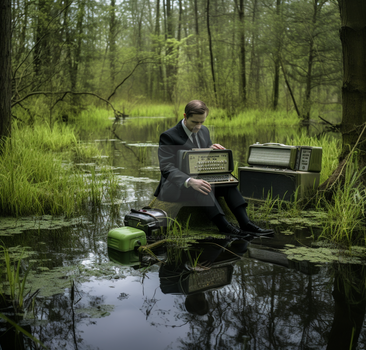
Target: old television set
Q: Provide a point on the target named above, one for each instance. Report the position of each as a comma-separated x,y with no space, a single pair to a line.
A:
277,155
211,165
280,171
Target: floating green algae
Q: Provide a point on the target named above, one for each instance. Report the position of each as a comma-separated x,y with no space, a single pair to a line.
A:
326,254
10,226
303,219
56,280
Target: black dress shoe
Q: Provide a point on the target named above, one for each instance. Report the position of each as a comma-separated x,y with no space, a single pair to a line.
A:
256,231
234,231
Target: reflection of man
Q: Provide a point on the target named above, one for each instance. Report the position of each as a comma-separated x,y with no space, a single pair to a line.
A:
177,186
207,265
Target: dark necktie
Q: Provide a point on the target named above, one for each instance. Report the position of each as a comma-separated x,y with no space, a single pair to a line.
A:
194,138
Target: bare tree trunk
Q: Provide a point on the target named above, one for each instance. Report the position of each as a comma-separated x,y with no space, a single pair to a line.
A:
21,46
198,44
353,126
5,70
41,50
170,69
210,48
112,41
276,80
79,28
243,81
254,59
307,101
353,38
73,56
158,50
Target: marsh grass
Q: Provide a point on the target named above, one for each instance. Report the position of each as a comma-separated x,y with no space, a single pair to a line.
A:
252,117
15,294
16,285
264,210
94,118
101,117
346,211
193,257
35,177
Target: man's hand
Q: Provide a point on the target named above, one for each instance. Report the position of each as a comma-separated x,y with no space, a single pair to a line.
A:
200,186
217,146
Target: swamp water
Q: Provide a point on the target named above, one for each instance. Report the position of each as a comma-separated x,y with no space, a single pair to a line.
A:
222,294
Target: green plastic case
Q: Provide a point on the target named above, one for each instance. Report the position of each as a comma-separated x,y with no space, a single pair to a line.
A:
125,239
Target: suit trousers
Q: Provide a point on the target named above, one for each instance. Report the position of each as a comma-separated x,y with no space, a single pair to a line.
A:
231,194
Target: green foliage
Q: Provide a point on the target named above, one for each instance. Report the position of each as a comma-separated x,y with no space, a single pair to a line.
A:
94,118
94,47
346,211
14,292
37,178
252,117
15,284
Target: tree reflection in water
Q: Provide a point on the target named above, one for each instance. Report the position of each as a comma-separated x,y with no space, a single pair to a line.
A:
225,301
270,307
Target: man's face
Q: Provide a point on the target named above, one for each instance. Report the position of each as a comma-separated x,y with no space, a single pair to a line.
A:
195,121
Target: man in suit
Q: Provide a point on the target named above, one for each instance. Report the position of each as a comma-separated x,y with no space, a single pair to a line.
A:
177,186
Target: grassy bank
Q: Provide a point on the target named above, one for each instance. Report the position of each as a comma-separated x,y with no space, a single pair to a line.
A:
217,117
37,176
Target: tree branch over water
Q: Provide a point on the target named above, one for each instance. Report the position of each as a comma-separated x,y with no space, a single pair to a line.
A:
140,61
64,93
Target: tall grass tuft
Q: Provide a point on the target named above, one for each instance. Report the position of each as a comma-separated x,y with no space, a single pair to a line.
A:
35,177
16,285
15,298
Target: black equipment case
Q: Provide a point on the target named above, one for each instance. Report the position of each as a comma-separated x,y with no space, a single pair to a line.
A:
151,221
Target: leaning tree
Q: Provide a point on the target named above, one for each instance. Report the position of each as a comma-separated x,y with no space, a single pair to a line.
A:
353,37
353,125
5,69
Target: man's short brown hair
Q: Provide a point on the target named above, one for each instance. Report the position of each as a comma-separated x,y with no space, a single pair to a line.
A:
195,107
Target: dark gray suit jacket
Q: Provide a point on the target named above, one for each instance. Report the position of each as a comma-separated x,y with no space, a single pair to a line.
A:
172,179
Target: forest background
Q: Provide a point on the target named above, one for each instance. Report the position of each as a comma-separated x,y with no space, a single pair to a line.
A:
233,54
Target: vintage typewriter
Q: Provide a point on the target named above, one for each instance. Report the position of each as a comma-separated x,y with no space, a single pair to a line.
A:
211,165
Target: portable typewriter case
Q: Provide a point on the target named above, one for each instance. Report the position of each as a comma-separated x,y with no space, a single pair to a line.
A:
151,221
